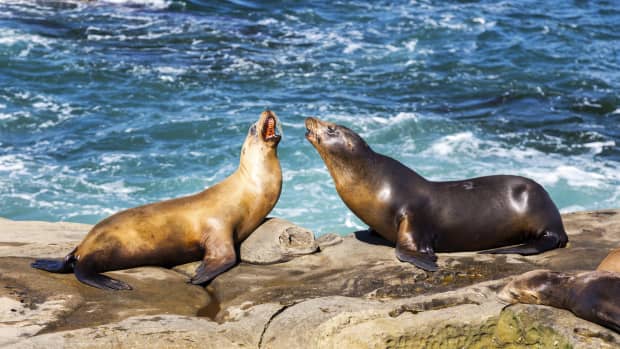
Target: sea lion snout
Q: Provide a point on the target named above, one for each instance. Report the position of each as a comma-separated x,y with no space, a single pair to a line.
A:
330,137
318,132
311,130
507,295
518,292
529,287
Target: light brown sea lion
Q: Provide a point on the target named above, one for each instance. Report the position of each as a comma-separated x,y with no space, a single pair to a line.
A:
422,216
593,295
611,262
205,225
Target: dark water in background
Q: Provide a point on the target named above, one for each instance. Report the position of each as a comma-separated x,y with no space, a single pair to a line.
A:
113,104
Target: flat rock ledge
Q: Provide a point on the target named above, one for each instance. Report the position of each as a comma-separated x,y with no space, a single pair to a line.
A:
324,293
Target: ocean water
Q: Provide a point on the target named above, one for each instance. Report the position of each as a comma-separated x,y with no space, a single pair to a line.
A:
107,105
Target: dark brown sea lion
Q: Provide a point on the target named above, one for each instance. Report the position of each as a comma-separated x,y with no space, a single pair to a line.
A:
611,262
423,217
205,225
593,295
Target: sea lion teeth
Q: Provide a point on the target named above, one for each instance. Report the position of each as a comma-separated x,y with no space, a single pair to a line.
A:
270,127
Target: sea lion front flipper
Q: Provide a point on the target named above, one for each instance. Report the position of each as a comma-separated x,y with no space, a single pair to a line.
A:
412,250
219,256
547,241
421,260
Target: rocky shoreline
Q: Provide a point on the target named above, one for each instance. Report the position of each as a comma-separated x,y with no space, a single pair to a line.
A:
331,292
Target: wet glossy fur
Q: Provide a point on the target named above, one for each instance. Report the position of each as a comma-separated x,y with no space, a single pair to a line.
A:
423,216
206,225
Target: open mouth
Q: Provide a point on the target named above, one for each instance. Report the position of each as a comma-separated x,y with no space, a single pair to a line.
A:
270,129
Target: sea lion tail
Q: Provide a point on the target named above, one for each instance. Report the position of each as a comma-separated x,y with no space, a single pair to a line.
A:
64,265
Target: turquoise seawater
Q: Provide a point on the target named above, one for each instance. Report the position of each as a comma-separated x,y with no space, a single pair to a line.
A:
107,105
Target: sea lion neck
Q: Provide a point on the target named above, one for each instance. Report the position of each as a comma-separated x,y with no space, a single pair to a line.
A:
346,168
257,159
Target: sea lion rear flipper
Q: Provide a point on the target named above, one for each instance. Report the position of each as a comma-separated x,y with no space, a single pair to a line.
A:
52,265
89,277
547,241
64,265
414,250
220,256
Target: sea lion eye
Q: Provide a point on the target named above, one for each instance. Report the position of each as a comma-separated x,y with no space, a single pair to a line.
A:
253,130
331,130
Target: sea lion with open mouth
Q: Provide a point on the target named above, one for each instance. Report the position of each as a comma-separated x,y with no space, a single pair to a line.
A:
205,225
423,217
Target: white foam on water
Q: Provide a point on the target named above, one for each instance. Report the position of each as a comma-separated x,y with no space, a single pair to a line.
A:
241,64
579,171
118,188
459,142
352,47
586,103
598,147
152,4
268,21
411,45
171,70
4,116
12,163
398,118
292,212
350,221
89,210
106,159
291,174
572,208
366,121
574,176
10,37
99,37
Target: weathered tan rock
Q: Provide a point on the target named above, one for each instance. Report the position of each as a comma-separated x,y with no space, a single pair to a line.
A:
162,331
327,240
353,294
36,302
277,240
40,239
